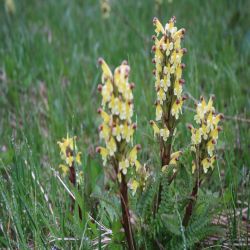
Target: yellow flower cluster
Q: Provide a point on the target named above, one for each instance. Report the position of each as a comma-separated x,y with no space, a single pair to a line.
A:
204,138
105,8
168,73
69,153
117,128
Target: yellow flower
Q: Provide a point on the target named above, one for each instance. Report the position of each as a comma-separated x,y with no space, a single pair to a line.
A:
165,82
178,88
196,136
209,120
104,153
64,168
208,163
201,110
159,28
178,72
104,131
212,160
216,119
168,69
211,146
177,108
158,112
106,72
106,91
116,131
173,161
113,104
205,164
176,155
169,27
118,107
158,58
155,128
133,154
179,34
111,146
164,133
161,96
127,131
137,165
123,166
127,111
106,118
210,107
214,133
133,185
168,47
204,131
69,160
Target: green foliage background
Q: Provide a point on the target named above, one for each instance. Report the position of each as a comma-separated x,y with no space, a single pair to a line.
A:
48,87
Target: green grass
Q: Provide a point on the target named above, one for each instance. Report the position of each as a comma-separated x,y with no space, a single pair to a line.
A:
48,58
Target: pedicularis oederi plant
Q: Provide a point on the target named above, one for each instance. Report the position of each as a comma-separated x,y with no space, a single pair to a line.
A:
153,206
117,131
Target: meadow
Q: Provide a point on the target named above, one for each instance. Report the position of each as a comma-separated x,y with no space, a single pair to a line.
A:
49,75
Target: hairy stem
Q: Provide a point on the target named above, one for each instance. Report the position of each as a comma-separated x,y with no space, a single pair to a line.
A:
72,179
189,208
125,213
165,159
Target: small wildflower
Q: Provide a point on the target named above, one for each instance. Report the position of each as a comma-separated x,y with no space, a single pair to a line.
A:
106,72
214,133
104,153
211,146
155,128
159,112
137,165
133,154
123,166
106,118
133,185
196,136
111,146
164,132
158,26
177,108
176,155
105,131
64,168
